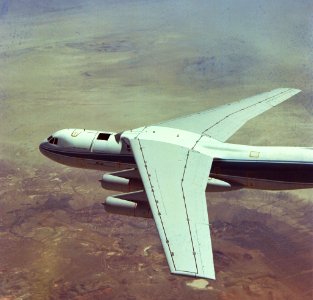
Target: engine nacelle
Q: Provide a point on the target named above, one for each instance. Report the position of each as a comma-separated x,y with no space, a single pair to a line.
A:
117,183
217,185
128,208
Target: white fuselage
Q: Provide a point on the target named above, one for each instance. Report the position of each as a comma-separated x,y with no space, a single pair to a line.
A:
241,166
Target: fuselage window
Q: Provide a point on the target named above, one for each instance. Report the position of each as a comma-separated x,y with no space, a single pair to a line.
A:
103,136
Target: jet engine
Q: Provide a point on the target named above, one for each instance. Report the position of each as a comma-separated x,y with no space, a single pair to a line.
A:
118,183
130,181
119,206
217,185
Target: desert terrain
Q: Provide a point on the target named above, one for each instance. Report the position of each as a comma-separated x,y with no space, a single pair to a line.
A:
116,65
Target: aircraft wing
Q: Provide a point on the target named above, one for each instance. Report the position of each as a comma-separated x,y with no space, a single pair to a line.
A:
222,122
175,178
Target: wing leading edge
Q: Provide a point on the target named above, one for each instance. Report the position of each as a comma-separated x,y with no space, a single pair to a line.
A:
178,203
222,122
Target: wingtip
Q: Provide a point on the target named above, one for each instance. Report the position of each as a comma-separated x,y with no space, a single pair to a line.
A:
205,276
210,276
293,90
296,91
287,89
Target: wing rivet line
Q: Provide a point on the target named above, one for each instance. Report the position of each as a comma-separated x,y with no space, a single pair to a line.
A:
183,194
156,202
267,101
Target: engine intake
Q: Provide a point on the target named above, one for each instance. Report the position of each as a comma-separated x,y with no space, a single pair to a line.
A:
119,206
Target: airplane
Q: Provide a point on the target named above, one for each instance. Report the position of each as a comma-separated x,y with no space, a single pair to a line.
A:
165,171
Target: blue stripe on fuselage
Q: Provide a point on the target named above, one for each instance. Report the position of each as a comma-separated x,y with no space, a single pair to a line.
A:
284,171
86,154
288,171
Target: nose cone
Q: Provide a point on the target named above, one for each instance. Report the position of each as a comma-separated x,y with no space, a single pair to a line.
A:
56,143
47,145
49,150
44,147
40,147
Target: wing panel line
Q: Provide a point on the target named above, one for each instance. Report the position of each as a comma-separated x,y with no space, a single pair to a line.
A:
261,101
156,202
188,220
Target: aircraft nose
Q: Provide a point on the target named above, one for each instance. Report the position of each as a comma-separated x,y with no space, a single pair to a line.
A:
41,146
44,146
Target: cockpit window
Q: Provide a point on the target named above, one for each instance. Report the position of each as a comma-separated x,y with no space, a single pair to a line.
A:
49,138
103,136
53,140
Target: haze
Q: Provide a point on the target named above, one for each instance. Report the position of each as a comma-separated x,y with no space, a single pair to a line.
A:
116,65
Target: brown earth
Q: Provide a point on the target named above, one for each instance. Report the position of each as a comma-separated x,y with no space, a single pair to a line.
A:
114,66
